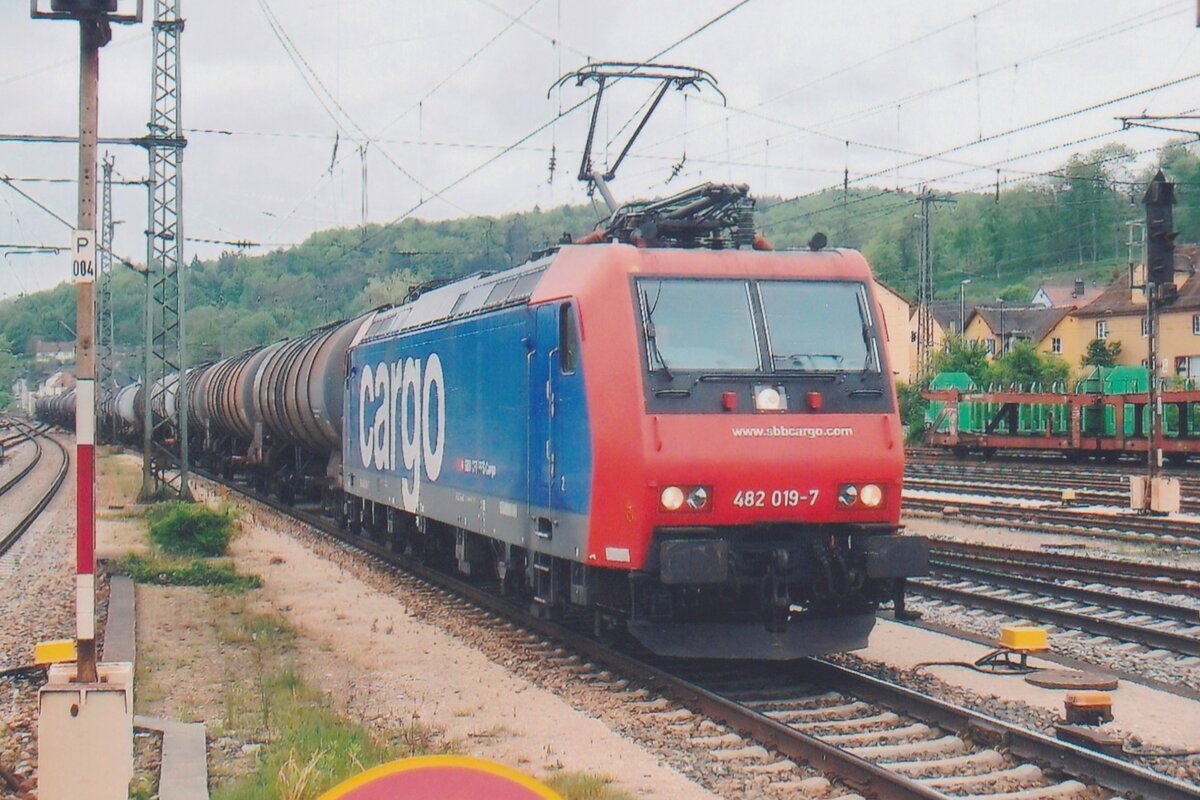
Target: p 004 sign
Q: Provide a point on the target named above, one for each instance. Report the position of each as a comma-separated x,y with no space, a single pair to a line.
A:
83,257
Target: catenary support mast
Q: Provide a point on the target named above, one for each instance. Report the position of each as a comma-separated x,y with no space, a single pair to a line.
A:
165,473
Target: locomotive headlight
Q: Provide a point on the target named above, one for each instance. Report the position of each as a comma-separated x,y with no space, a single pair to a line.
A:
871,495
847,495
768,398
672,498
697,498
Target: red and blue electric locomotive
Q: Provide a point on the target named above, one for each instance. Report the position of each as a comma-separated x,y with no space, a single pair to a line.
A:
701,445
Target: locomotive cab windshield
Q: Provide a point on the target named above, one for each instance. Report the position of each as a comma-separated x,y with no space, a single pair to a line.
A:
703,336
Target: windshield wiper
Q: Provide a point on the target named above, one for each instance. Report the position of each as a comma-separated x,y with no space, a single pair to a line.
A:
657,353
650,334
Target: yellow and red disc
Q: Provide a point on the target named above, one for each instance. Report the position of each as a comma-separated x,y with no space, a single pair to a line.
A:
441,778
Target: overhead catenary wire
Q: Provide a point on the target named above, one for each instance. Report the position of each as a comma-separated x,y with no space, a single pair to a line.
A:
1018,129
539,129
513,21
326,99
1160,13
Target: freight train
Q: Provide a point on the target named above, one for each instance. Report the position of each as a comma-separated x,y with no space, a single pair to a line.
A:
689,436
1105,415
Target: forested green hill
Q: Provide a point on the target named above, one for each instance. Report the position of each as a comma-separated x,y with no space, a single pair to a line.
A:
1070,224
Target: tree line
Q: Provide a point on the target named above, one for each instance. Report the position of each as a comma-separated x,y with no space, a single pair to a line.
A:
1004,238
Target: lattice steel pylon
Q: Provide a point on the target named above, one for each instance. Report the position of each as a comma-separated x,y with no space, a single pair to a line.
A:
925,285
924,293
105,352
165,472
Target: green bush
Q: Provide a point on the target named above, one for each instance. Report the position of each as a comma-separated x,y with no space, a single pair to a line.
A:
190,529
193,572
912,411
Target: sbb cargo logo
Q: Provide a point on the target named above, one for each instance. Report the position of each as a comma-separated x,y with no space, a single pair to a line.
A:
409,403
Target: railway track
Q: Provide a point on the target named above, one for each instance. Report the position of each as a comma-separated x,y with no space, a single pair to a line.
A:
9,539
1035,482
23,432
1103,476
878,738
1135,575
1060,520
1153,624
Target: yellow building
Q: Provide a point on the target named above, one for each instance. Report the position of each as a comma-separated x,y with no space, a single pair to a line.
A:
946,318
1119,315
996,328
896,312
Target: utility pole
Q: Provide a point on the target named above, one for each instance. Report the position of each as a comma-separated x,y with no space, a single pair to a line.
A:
165,468
925,285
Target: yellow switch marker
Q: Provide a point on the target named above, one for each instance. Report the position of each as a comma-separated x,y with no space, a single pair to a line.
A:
55,652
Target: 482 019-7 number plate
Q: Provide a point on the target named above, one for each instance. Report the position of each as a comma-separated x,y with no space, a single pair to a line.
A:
775,498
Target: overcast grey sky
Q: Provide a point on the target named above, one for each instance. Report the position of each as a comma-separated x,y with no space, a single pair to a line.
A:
420,94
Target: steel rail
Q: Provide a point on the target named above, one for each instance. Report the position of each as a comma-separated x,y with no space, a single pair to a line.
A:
1056,473
1093,597
1123,631
1073,561
1054,520
23,436
1162,578
1086,765
964,486
15,479
1100,488
857,772
27,521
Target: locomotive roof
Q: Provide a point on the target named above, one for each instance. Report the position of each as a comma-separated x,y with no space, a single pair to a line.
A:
468,295
484,291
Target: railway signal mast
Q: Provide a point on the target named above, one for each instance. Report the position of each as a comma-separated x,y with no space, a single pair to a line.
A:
1158,494
84,727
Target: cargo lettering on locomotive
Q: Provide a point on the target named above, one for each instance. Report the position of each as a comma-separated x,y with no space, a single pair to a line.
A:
411,401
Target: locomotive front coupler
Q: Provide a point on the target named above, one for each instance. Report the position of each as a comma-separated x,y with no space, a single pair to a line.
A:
777,601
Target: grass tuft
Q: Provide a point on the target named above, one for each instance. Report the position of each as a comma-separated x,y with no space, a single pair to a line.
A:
164,571
190,529
311,747
582,786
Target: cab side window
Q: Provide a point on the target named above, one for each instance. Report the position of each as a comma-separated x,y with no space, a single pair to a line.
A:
568,340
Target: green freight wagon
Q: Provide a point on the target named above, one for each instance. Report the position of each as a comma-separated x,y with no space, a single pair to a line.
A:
968,413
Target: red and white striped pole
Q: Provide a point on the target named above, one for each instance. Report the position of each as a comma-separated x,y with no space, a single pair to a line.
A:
93,34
